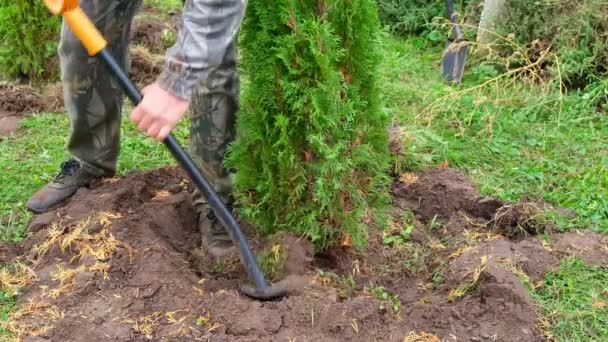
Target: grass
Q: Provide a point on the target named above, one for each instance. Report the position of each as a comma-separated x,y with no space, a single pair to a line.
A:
7,304
514,139
165,6
574,301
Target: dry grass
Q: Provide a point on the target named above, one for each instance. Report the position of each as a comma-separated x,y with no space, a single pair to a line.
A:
53,238
78,241
468,287
162,194
15,277
408,178
18,327
67,281
145,325
420,336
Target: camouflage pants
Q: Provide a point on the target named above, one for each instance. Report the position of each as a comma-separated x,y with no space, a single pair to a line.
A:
94,101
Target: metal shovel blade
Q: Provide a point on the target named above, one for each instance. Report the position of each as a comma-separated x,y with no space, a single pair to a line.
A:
454,59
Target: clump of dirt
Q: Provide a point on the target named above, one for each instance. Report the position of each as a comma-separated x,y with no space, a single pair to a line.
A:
448,195
145,67
519,219
121,262
297,254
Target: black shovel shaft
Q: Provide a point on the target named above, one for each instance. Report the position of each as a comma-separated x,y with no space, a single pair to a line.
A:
195,175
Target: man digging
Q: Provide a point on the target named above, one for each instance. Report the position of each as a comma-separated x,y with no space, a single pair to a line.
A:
199,73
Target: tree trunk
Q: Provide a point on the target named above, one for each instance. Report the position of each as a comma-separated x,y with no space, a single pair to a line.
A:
492,11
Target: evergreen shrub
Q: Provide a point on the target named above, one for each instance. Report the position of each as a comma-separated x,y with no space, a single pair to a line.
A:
312,154
28,47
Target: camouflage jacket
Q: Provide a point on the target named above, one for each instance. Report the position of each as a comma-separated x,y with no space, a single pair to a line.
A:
206,31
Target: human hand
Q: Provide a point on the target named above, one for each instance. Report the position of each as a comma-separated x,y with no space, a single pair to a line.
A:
158,112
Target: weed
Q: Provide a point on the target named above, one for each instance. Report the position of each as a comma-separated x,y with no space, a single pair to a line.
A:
414,259
400,231
385,297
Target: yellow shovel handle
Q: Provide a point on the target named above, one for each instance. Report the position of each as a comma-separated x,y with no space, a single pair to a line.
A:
79,22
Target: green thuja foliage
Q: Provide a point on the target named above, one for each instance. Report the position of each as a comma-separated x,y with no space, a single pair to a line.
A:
311,154
28,43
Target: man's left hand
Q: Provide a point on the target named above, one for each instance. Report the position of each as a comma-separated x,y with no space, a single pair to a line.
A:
158,112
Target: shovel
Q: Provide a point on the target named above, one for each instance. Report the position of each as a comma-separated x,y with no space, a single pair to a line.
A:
455,54
95,45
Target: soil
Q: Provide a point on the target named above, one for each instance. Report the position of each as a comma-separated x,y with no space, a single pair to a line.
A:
148,30
121,261
145,67
587,245
19,100
148,44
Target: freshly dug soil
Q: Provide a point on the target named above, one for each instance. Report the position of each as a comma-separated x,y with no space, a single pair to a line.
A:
442,193
145,67
121,262
150,26
587,245
19,100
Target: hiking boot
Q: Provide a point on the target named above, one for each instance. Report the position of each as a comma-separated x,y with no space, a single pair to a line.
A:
71,177
216,239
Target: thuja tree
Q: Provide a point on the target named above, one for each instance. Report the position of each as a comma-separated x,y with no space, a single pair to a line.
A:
312,148
28,39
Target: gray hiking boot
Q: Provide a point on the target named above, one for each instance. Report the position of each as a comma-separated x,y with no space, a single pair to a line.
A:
71,177
216,239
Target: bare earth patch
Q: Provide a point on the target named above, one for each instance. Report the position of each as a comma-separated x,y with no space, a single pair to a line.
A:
121,262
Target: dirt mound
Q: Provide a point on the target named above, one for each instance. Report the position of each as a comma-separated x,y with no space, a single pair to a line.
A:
148,33
442,193
121,262
19,100
587,245
448,195
145,67
154,30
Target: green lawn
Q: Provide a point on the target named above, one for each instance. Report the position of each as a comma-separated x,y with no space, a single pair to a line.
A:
574,300
513,139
